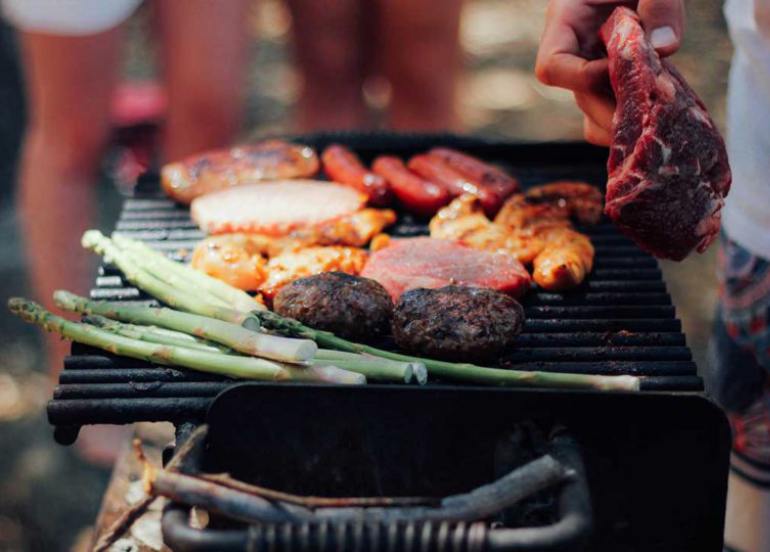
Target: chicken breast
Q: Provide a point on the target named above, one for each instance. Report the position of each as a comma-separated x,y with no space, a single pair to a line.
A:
274,208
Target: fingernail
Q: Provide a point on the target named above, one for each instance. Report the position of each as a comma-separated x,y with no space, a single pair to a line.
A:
663,37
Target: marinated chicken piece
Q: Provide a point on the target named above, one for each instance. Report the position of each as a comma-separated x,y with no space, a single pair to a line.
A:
214,170
242,259
292,265
463,221
520,214
380,241
238,259
356,229
583,201
540,234
566,259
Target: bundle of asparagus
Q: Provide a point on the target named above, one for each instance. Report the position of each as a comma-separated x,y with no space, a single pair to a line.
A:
222,324
239,366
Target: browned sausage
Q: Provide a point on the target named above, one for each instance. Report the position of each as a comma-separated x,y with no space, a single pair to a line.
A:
343,166
418,195
436,170
200,174
477,171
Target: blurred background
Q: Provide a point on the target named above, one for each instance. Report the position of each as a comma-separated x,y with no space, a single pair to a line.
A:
48,494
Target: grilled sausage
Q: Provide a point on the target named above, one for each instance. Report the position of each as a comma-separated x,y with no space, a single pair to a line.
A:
343,166
419,195
349,306
457,323
436,170
200,174
477,171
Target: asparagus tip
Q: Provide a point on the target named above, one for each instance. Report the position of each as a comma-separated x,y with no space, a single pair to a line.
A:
419,372
90,238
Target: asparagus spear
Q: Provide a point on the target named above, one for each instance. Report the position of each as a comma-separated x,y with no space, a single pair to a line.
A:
456,371
173,296
231,335
157,263
216,363
151,335
373,367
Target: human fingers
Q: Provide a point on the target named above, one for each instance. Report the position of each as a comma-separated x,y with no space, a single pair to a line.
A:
597,107
594,133
560,59
664,23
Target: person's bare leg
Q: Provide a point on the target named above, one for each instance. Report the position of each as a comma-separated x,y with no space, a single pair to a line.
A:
421,59
204,55
326,36
69,81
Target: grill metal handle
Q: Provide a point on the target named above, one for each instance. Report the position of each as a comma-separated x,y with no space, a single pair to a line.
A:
360,536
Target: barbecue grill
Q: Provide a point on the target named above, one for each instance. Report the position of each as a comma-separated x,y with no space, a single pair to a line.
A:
656,461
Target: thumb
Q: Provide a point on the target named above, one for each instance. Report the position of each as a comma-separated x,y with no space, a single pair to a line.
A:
663,21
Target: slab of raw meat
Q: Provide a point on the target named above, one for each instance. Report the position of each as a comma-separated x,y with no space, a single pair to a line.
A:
431,263
668,169
274,208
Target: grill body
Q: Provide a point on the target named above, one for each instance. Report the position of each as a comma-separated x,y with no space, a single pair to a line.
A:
655,462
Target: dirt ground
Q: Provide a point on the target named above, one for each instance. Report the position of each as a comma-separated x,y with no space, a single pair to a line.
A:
48,495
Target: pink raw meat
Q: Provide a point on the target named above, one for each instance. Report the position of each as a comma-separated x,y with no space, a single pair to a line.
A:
668,169
431,263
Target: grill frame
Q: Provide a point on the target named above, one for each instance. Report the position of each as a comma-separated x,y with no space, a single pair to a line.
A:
621,303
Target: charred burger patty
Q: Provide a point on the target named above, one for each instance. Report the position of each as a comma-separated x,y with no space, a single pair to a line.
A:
349,306
457,323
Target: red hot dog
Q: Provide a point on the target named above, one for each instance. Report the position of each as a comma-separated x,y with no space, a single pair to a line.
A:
343,166
436,170
421,196
478,172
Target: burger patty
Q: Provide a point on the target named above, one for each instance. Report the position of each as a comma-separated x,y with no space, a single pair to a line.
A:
457,323
349,306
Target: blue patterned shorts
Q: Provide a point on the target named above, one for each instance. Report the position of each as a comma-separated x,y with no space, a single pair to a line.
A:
739,373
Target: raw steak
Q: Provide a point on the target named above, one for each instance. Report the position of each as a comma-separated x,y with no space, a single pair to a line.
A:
668,169
430,263
274,208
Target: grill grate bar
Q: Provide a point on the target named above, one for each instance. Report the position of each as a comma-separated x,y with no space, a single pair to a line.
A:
136,375
79,412
599,339
551,354
140,389
600,298
630,311
605,325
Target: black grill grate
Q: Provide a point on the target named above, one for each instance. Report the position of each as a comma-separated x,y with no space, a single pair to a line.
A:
621,321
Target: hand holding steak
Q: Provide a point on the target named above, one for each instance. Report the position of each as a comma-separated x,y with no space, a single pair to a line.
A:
668,169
